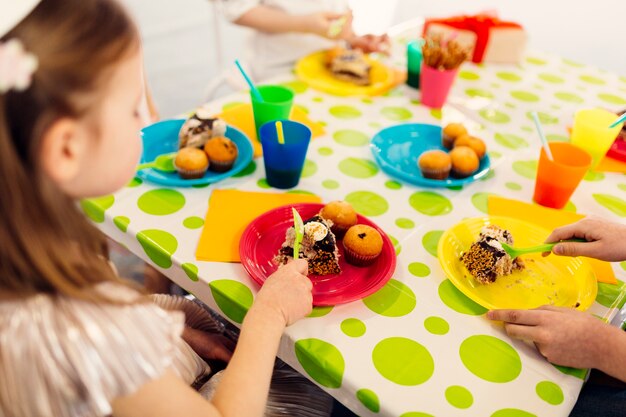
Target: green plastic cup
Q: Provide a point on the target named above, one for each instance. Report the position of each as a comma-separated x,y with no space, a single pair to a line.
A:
276,105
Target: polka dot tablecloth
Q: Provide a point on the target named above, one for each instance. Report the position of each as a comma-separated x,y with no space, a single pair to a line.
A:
418,347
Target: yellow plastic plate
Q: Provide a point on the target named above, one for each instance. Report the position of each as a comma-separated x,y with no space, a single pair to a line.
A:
312,70
556,280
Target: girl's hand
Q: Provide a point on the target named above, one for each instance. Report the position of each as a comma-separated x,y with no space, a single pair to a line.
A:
209,346
371,43
605,240
287,292
564,336
335,26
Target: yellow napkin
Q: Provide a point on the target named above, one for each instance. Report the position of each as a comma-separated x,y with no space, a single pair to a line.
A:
550,219
230,212
242,118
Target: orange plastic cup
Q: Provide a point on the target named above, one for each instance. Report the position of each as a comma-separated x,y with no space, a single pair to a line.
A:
557,180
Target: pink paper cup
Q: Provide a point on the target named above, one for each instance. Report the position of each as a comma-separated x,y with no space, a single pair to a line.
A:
435,85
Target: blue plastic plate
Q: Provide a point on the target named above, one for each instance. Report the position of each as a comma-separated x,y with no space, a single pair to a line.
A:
397,149
162,137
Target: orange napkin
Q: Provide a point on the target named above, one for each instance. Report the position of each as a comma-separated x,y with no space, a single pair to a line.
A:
550,219
242,118
611,165
230,212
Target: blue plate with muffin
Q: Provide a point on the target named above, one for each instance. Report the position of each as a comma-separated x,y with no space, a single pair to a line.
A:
163,138
406,152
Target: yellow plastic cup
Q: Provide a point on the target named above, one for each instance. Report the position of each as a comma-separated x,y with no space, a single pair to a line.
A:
591,132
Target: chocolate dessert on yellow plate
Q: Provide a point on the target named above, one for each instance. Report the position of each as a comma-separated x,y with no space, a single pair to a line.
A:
351,66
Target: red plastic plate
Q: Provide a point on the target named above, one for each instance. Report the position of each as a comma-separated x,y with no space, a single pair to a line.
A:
263,238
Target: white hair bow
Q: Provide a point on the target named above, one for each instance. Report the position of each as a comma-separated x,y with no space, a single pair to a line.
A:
17,66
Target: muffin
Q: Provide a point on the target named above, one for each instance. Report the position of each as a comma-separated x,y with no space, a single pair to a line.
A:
191,163
362,245
222,153
473,142
450,133
464,161
342,216
435,165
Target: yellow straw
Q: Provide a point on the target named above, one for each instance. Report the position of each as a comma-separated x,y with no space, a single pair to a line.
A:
279,131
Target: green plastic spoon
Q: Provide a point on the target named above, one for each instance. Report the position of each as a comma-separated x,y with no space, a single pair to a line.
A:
546,247
299,228
163,163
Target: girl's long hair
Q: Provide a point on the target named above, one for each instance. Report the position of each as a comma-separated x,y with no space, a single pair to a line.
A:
46,242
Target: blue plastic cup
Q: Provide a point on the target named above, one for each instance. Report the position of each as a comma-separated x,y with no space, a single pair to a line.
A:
284,162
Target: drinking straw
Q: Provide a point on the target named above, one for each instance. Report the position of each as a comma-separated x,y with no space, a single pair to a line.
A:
279,132
618,121
255,92
544,141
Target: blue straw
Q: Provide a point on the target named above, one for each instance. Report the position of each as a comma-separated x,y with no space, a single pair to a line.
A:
618,121
544,141
255,92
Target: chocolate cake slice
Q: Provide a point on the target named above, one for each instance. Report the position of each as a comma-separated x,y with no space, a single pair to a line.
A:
318,246
351,66
486,260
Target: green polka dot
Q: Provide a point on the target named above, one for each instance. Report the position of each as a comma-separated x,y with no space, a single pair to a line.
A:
396,114
612,99
592,80
416,414
525,96
358,167
572,63
550,392
511,141
508,76
345,112
135,182
232,297
477,92
527,169
459,397
490,358
297,87
161,202
551,78
436,325
351,138
94,208
403,361
300,192
249,169
468,75
615,204
569,97
494,116
570,207
309,169
490,174
495,85
622,187
262,183
121,222
193,222
353,327
436,113
159,245
535,61
557,138
322,361
494,154
317,99
458,301
375,125
322,123
431,240
367,100
479,200
395,299
513,186
419,269
320,311
510,105
330,184
430,203
404,223
527,129
393,185
369,399
544,118
593,176
191,271
367,203
231,105
324,151
512,412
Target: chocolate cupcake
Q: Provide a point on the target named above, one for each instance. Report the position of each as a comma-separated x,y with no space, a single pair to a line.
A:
362,245
222,153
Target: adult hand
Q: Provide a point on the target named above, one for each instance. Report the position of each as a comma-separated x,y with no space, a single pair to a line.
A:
371,43
605,240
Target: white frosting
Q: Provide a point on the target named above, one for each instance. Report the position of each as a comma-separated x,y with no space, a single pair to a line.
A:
219,127
203,113
315,230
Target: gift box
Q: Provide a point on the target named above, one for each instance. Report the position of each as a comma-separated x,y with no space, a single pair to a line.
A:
488,38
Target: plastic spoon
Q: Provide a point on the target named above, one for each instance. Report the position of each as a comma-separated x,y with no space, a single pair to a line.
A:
298,226
163,163
255,91
546,247
618,121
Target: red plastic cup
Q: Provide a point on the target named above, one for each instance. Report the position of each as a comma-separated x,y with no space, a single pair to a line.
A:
557,180
435,85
